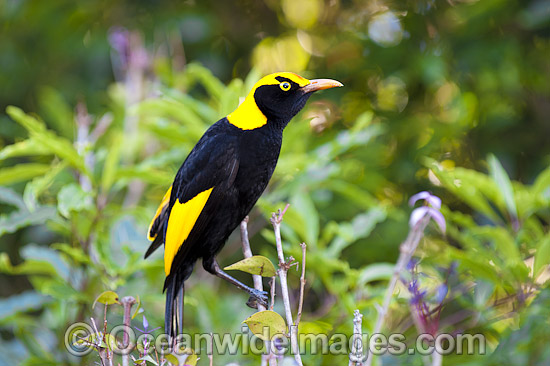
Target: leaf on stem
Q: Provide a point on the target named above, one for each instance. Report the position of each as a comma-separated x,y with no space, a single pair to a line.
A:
256,265
107,298
266,324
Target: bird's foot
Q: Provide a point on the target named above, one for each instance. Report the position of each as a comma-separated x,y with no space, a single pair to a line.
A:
257,298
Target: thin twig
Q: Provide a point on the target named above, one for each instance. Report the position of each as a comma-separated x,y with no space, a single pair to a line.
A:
258,285
272,289
247,252
407,250
211,353
105,323
302,285
127,302
437,359
104,353
356,354
276,220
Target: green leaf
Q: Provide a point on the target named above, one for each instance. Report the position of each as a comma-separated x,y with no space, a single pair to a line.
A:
54,143
72,198
19,219
502,239
28,300
360,227
22,172
174,361
173,110
147,358
107,298
75,253
11,197
148,175
29,147
375,272
504,185
542,184
39,361
57,110
542,256
266,324
303,205
479,267
38,185
58,289
111,162
256,265
138,307
472,187
352,193
214,86
314,327
28,267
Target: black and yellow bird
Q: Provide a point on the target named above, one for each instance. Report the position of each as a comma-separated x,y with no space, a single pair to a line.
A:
220,181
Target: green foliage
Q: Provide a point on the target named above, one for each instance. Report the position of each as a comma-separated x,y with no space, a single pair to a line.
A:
454,98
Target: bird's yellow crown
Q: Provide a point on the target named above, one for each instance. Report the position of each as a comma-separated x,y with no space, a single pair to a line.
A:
248,116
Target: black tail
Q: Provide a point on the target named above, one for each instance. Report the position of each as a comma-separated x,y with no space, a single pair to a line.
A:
173,317
159,240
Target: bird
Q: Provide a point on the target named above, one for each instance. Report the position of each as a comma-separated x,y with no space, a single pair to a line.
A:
219,183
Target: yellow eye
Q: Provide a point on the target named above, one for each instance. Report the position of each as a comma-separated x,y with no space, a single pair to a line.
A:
285,86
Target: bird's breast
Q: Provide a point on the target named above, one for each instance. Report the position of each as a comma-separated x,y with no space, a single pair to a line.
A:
258,155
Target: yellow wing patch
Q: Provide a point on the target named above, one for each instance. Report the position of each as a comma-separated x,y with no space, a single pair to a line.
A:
163,204
183,217
248,116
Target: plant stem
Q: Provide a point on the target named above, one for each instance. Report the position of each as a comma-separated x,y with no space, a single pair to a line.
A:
127,302
407,249
258,285
302,285
247,252
276,220
356,354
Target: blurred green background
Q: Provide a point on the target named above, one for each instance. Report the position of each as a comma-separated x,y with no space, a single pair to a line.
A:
452,97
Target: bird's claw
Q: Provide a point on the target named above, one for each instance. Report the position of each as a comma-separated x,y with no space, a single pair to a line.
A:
257,298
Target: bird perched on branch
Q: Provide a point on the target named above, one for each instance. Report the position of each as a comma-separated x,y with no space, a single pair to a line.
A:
219,183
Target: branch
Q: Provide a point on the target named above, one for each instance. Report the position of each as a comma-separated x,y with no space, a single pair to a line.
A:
356,354
258,285
276,220
302,285
127,302
407,250
272,289
247,252
105,355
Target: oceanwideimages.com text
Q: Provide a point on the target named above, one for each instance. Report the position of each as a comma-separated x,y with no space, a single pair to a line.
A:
80,339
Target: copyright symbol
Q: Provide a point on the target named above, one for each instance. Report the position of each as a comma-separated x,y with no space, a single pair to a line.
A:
75,337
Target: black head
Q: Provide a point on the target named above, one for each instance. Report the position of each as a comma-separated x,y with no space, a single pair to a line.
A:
277,98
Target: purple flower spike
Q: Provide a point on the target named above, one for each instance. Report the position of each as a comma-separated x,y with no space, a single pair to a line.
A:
431,209
441,293
145,323
418,214
439,219
432,200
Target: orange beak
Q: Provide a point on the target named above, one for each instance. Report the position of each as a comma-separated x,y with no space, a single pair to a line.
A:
321,84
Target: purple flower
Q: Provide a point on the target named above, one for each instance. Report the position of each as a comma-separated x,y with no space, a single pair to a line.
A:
119,38
145,323
432,200
145,329
441,293
431,209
